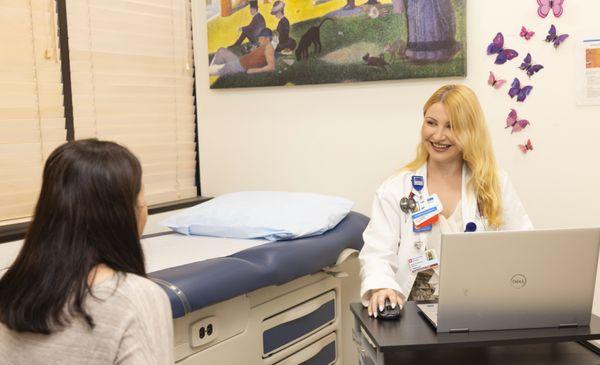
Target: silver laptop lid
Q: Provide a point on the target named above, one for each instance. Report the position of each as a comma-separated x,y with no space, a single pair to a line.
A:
509,280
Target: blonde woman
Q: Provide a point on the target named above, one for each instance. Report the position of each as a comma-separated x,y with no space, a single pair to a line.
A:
455,169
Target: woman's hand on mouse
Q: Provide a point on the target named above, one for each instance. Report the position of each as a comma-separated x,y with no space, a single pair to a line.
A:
378,297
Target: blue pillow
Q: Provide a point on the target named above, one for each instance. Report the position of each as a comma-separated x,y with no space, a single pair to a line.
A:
271,215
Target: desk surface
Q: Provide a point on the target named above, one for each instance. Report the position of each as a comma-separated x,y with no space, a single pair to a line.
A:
413,332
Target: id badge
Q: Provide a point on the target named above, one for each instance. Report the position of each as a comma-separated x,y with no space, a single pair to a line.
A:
420,229
428,223
427,209
425,261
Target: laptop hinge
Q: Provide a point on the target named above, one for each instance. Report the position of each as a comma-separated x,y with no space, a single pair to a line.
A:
568,325
458,330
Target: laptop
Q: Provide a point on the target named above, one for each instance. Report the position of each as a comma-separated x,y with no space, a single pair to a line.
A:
515,280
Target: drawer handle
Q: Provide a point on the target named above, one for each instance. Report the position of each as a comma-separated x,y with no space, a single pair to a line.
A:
309,353
356,339
299,311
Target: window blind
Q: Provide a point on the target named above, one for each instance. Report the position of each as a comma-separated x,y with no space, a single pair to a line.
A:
132,82
32,120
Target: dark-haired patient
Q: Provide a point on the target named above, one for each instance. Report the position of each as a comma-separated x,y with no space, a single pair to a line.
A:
77,292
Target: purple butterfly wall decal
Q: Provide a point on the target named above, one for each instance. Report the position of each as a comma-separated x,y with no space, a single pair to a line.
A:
518,91
555,38
497,48
546,5
528,67
513,121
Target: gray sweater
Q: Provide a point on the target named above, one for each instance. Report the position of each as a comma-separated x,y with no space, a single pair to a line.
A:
133,326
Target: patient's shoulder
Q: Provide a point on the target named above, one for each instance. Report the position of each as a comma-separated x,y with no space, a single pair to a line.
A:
143,287
130,291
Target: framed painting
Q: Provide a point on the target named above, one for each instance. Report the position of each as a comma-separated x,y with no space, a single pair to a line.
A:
256,43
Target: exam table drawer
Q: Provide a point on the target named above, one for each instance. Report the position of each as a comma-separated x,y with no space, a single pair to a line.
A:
321,352
296,323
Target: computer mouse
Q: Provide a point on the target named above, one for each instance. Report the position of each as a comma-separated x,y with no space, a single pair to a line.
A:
388,313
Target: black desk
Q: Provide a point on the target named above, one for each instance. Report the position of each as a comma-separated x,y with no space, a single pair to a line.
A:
412,340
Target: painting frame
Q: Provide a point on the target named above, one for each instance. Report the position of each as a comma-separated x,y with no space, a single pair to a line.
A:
372,41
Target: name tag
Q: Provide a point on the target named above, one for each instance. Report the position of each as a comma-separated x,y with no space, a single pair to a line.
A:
422,228
425,261
427,209
430,222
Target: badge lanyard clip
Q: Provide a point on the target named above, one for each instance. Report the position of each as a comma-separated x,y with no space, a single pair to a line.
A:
418,183
408,204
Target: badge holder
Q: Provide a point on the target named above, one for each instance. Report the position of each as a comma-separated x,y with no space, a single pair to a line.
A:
425,261
425,216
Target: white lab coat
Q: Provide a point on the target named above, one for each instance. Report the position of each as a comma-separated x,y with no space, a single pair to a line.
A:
389,237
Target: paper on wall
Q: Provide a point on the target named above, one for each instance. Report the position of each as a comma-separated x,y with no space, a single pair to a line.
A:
588,71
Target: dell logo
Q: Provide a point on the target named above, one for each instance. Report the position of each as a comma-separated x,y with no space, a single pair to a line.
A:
518,281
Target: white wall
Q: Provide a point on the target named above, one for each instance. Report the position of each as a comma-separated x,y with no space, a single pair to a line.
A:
345,139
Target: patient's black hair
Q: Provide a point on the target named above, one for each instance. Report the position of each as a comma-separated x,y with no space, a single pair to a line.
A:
86,215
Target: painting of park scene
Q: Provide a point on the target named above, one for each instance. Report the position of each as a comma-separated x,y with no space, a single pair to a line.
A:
255,43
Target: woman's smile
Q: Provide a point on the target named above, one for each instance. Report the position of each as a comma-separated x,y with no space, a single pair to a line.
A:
440,147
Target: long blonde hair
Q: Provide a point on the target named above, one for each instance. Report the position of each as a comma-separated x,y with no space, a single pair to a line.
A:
471,133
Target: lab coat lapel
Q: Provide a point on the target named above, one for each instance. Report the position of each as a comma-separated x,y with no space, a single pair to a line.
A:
422,237
468,200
